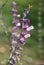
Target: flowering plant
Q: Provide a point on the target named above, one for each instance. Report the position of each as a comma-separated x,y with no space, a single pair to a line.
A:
18,38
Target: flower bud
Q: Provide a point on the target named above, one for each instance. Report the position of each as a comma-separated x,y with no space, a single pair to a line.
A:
23,34
22,41
26,11
14,15
9,63
15,21
15,28
19,48
26,20
24,14
13,4
13,42
14,11
25,26
17,53
15,35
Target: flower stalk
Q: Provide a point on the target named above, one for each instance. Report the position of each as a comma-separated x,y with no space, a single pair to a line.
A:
18,38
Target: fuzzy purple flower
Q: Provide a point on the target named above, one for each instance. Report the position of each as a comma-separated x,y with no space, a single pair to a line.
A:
22,41
26,11
14,11
25,20
15,21
15,15
13,42
15,28
13,4
15,35
23,34
25,26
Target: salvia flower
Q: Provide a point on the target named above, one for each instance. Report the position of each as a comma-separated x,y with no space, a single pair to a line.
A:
25,26
13,42
15,15
14,11
23,34
18,38
22,41
15,35
25,20
15,28
13,4
26,11
15,21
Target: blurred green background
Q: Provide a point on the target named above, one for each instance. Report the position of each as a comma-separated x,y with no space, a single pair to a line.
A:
31,54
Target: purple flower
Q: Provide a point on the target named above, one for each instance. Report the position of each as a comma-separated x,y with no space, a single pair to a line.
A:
22,41
25,20
13,42
23,34
14,11
14,15
26,11
21,20
24,14
25,26
13,4
15,35
15,21
14,28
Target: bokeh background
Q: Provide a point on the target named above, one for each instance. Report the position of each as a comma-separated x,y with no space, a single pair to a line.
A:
33,54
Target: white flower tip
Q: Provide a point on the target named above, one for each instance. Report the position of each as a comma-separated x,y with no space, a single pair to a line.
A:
18,24
30,28
18,15
28,35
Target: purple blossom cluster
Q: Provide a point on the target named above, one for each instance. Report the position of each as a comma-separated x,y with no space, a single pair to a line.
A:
18,38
